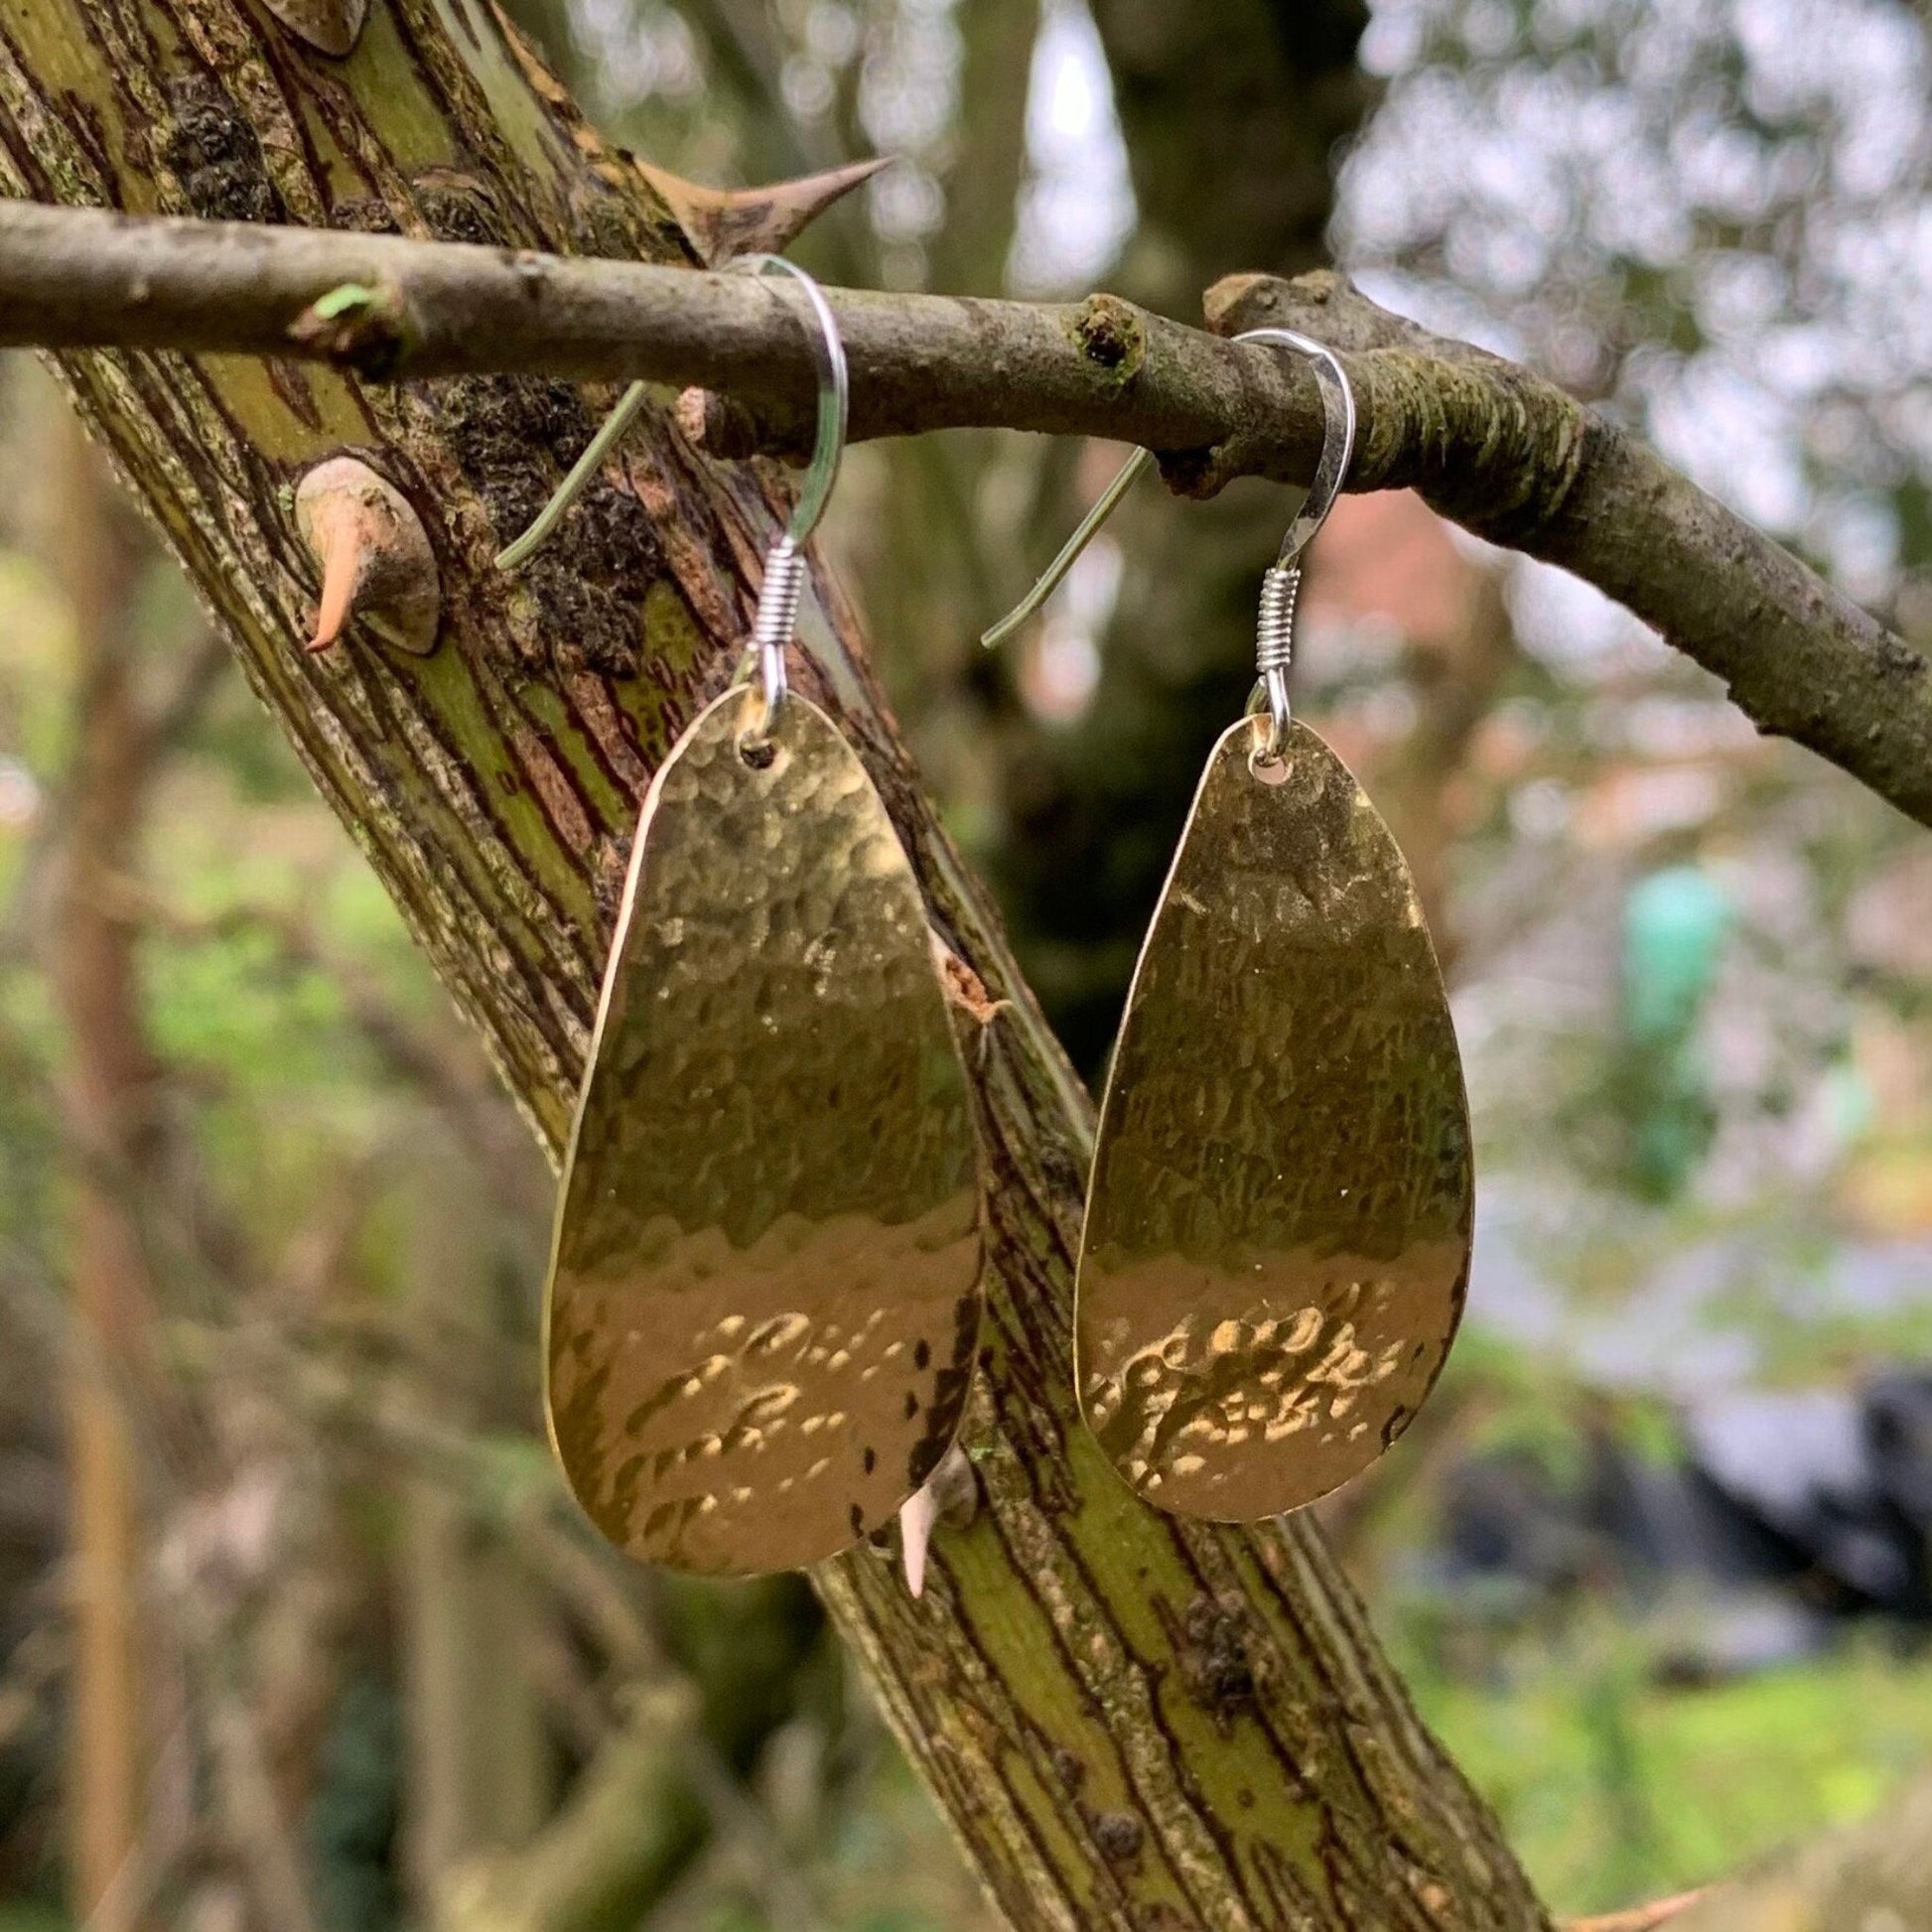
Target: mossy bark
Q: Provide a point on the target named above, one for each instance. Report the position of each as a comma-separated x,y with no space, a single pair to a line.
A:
1132,1721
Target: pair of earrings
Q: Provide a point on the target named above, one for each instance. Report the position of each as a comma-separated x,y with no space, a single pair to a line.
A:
764,1296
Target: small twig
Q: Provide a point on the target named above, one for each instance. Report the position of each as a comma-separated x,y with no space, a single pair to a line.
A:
159,734
580,1576
267,1846
1641,1918
34,1666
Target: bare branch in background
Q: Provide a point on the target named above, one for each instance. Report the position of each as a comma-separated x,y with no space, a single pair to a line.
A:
623,1836
449,1079
660,1786
176,709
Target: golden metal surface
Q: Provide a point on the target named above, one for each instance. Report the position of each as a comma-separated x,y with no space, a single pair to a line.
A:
1278,1226
764,1292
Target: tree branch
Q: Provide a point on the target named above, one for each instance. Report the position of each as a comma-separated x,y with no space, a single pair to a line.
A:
83,278
1497,449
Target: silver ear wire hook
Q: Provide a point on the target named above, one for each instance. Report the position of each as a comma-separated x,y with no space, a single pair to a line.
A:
1054,573
1275,625
1282,584
784,565
544,525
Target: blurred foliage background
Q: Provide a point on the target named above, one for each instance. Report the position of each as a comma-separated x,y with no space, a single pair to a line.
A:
285,1578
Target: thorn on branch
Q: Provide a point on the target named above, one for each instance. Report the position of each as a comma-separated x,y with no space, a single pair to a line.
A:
722,223
951,1495
374,554
328,26
362,329
965,991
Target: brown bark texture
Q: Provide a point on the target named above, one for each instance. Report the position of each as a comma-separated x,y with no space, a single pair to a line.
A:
1131,1720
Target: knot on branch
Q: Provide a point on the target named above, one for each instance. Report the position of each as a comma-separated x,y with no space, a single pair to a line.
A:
1215,1658
366,331
1322,304
1110,335
1486,443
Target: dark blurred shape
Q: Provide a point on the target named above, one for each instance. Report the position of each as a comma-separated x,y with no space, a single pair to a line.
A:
1279,85
1808,1488
355,1818
1786,1514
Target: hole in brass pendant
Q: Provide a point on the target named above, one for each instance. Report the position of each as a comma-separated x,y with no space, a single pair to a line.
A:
764,1292
1277,1229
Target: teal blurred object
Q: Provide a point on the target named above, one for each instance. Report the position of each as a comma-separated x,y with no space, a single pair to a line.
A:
1673,926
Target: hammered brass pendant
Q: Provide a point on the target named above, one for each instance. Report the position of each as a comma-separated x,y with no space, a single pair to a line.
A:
1278,1227
764,1294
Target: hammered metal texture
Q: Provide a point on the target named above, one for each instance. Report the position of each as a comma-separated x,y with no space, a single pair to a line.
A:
1278,1227
764,1291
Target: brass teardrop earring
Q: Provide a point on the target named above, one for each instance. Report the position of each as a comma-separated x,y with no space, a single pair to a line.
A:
764,1288
1279,1216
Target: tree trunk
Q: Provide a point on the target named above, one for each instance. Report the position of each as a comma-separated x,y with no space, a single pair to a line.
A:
480,1765
109,1078
1132,1721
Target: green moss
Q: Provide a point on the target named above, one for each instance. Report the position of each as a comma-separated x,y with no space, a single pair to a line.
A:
1613,1788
